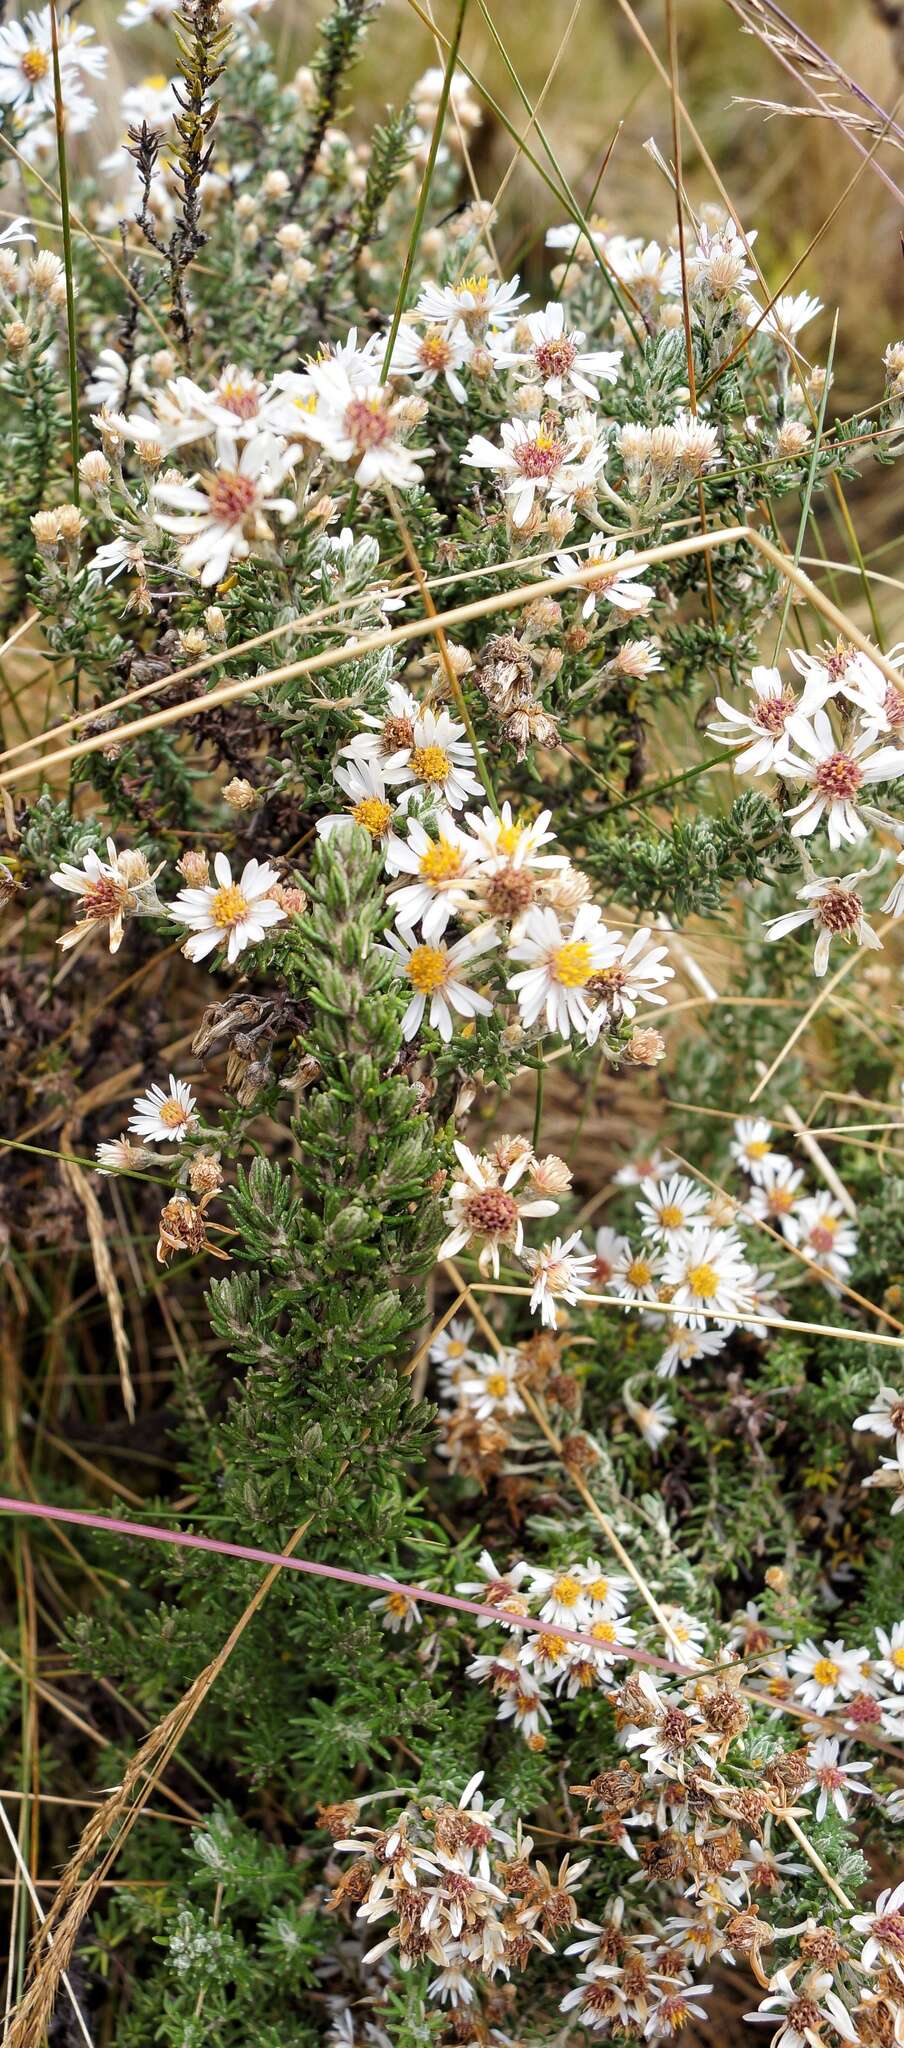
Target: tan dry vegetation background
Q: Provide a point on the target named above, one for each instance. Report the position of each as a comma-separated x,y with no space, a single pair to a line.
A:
784,173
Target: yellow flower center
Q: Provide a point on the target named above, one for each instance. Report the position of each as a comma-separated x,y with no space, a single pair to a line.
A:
228,906
671,1217
509,839
757,1148
604,1632
897,1658
598,1589
550,1646
566,1591
172,1114
374,814
497,1385
155,82
477,285
430,764
825,1671
397,1603
781,1201
572,964
427,969
308,404
455,1348
639,1273
35,65
440,863
703,1281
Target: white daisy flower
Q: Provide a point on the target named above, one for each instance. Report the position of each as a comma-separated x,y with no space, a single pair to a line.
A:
484,1205
533,461
884,1930
890,1472
606,1592
776,1197
670,1207
478,302
225,519
443,869
686,1635
365,786
765,732
562,1594
492,1387
26,64
237,914
561,1271
647,1166
708,1275
361,426
389,737
826,1674
826,1234
452,1352
686,1346
635,1273
507,842
886,1416
398,1611
114,1155
798,2013
836,777
165,1116
751,1146
654,1420
559,968
437,352
440,760
891,1663
436,974
557,354
614,582
790,313
500,1590
637,976
109,891
836,1781
835,909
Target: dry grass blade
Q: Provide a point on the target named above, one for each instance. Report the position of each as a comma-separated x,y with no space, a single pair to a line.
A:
103,1265
498,601
55,1943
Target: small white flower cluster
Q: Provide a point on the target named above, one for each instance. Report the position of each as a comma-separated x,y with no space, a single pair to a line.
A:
578,1596
460,1890
26,73
223,912
575,977
690,1256
815,1224
830,743
885,1418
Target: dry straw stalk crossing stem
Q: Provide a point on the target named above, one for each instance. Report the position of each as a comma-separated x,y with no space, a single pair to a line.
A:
459,615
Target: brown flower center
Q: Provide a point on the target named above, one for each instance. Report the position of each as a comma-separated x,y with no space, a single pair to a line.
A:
554,358
838,777
231,497
491,1211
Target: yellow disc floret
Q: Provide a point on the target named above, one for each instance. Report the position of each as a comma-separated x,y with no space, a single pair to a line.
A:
703,1281
374,814
826,1671
441,863
428,969
430,764
228,906
572,964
